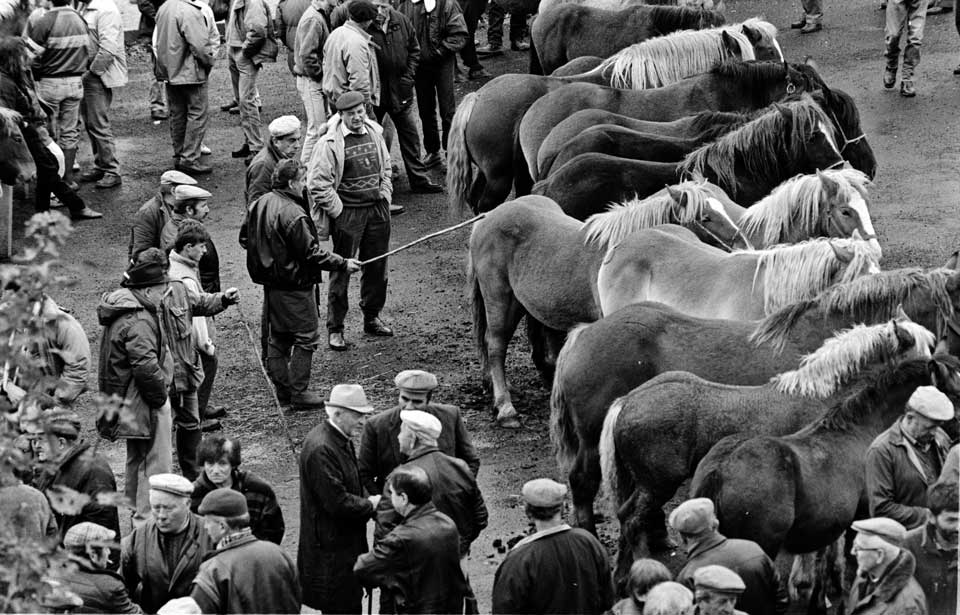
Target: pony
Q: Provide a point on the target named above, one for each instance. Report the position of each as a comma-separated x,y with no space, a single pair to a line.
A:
612,5
17,164
653,438
528,257
642,340
651,265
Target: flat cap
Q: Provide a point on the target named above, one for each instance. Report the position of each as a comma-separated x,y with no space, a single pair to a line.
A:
223,502
718,579
174,484
180,606
88,533
362,10
284,125
349,100
176,178
62,422
351,397
887,529
543,492
416,380
422,423
932,403
185,193
693,516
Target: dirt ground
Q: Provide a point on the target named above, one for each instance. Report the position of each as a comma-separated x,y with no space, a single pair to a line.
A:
914,202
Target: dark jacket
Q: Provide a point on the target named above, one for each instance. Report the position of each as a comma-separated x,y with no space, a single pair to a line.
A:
283,250
398,55
334,512
419,563
455,494
289,13
247,576
102,591
441,33
936,570
259,178
561,570
380,450
764,594
312,33
896,482
144,568
266,518
87,473
148,14
896,592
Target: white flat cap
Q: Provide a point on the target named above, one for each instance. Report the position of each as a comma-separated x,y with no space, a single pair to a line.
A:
173,484
176,178
284,125
185,193
422,423
932,403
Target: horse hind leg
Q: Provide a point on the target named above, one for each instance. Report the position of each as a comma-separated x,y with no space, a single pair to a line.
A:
503,316
477,190
585,478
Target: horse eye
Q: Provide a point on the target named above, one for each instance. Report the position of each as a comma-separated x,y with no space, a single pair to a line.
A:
706,218
845,212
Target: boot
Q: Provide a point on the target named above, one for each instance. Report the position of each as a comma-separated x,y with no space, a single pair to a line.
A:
280,376
300,365
188,441
69,157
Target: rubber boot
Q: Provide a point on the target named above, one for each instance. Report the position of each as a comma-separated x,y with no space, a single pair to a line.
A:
188,441
69,157
280,376
300,364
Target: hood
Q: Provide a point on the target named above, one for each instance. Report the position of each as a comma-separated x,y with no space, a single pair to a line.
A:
123,301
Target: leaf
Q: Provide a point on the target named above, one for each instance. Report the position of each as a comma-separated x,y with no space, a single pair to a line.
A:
65,500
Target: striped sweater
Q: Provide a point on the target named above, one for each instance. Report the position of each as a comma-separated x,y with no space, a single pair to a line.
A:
62,33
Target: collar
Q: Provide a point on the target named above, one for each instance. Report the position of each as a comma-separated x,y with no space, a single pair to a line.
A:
346,131
183,260
422,451
563,527
421,511
235,539
894,578
356,28
713,540
72,453
930,544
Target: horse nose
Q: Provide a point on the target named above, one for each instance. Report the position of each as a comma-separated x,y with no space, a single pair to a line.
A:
875,246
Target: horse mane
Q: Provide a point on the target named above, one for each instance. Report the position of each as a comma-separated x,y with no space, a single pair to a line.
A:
794,206
711,125
866,299
665,18
758,74
844,355
800,271
610,227
763,145
9,123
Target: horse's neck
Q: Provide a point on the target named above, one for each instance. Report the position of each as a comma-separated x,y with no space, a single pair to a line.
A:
919,306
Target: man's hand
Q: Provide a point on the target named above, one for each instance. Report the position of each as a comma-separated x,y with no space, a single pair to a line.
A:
374,499
353,266
231,296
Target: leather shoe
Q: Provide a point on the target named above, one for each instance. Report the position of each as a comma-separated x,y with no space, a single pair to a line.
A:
194,169
889,78
906,88
427,187
488,51
810,28
396,210
109,180
799,23
375,326
85,214
230,105
93,175
307,400
479,73
216,412
336,342
243,152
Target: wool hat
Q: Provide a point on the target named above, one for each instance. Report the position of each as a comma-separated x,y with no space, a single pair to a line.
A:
416,381
693,516
176,178
88,533
362,10
719,579
174,484
881,527
223,502
422,423
139,275
349,100
284,125
185,193
543,492
932,403
350,397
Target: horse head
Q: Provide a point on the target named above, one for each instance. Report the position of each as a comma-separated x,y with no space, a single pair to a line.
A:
949,324
845,116
763,36
17,164
858,256
844,207
703,208
945,375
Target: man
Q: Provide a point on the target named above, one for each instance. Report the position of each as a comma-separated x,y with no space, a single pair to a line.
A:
108,71
907,458
441,32
518,29
380,448
289,13
472,11
716,590
333,509
696,522
884,584
418,561
398,54
148,22
349,61
91,576
558,569
349,181
185,55
161,557
244,575
643,576
312,33
284,142
951,465
934,547
284,256
220,458
905,20
251,42
70,461
812,18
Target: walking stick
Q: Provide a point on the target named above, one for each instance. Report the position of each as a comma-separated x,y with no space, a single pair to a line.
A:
424,238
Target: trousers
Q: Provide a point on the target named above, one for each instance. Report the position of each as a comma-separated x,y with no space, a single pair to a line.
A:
472,10
243,77
812,10
364,231
904,16
95,108
189,114
495,15
146,458
64,95
434,86
409,139
315,106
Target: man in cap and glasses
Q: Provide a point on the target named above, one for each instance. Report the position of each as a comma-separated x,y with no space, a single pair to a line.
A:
907,458
283,144
716,591
334,508
89,573
884,584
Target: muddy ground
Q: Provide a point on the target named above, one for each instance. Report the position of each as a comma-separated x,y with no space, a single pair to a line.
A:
915,202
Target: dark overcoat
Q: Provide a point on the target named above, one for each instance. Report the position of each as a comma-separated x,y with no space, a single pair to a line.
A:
936,570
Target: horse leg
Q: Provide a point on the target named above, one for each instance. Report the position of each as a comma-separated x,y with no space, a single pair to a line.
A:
630,526
585,481
495,191
536,335
801,580
522,174
501,325
554,341
476,191
655,521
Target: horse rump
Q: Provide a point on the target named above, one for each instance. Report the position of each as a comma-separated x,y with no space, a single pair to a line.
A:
459,163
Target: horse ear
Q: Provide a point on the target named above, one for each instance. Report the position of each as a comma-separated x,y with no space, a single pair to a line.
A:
934,368
900,315
678,196
831,187
753,34
953,260
904,337
729,43
843,253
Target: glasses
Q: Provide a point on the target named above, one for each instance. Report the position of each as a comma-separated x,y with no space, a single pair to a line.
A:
857,549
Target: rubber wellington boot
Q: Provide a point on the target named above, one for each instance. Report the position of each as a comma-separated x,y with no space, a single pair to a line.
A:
280,376
188,441
300,365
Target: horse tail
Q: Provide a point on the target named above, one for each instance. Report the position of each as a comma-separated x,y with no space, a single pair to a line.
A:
608,454
563,433
708,485
459,163
479,314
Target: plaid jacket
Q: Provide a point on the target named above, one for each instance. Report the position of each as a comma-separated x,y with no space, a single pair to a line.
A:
266,518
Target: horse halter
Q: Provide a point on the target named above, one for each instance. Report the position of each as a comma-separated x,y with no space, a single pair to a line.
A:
846,142
727,246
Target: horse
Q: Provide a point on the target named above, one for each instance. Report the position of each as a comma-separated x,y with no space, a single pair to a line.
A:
636,343
17,164
653,438
613,5
528,257
790,138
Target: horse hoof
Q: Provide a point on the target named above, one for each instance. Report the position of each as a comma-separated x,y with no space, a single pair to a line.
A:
509,422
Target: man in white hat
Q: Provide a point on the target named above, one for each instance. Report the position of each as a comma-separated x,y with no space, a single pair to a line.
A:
884,584
91,575
907,458
716,591
284,142
334,508
379,447
150,219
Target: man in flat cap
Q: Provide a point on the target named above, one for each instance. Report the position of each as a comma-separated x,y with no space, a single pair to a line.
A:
161,557
907,458
716,591
334,508
91,576
283,144
884,584
934,547
379,446
349,182
558,569
349,60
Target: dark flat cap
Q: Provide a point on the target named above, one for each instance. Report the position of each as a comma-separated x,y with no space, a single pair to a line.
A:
223,503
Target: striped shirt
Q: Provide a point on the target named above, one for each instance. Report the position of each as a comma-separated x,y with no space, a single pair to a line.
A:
63,35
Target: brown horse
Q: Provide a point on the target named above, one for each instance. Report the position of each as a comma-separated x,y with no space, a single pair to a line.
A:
16,164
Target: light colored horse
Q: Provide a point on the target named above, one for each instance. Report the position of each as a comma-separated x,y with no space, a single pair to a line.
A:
651,265
612,5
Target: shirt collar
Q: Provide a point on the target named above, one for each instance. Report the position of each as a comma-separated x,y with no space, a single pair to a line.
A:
563,527
346,131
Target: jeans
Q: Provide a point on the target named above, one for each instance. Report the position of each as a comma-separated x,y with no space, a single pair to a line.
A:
495,15
409,138
64,95
189,113
472,10
146,458
434,84
315,106
363,230
909,15
95,109
158,100
812,10
243,75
